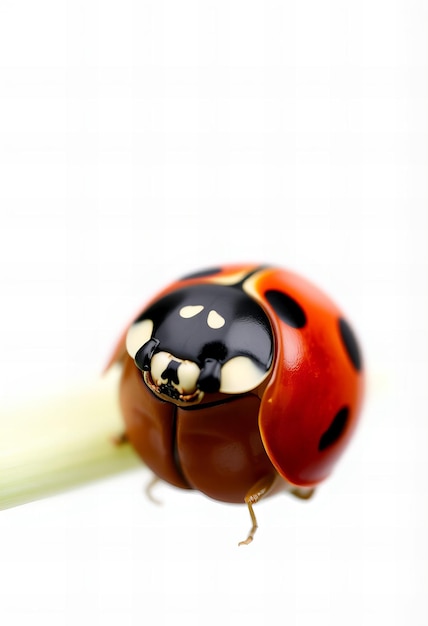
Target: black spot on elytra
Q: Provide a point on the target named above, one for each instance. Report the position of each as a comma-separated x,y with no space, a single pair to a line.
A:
201,274
350,344
335,430
288,310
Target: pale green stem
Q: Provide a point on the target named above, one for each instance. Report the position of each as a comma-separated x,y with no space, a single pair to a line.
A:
62,443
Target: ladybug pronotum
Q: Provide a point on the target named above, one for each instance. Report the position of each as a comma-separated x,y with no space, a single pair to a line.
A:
240,382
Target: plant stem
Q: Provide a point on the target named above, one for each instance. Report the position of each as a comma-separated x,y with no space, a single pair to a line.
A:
62,443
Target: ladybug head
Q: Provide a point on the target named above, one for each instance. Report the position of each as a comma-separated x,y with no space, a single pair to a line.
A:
200,339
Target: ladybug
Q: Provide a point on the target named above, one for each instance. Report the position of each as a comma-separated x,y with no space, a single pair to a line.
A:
240,382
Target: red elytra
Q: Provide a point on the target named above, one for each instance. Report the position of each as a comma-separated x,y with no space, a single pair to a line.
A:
241,381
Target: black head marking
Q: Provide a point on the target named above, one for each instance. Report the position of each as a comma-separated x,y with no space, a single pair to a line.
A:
145,353
209,378
335,430
170,374
350,344
287,309
239,326
213,350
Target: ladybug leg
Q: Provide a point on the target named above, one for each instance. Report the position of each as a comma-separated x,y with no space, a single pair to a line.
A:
261,489
121,439
304,493
149,490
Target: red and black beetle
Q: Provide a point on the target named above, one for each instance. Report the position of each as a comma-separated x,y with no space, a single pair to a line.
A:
241,381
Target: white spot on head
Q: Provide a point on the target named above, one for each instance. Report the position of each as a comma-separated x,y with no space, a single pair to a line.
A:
191,310
240,375
158,365
188,372
138,334
215,320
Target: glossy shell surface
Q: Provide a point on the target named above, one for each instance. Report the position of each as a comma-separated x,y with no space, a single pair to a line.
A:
237,374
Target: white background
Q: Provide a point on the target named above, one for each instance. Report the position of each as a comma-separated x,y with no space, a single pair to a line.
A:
143,140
